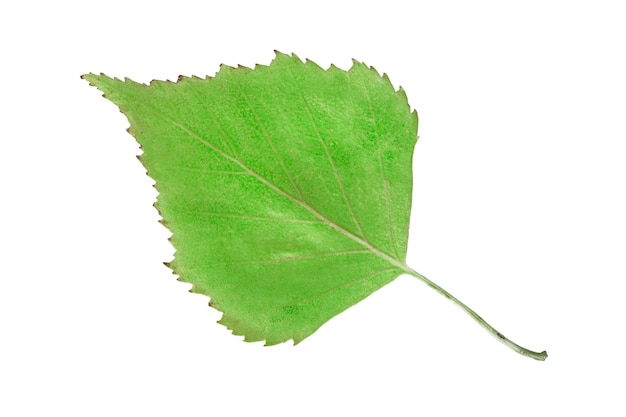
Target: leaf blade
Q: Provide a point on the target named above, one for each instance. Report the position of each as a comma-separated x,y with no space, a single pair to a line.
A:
329,175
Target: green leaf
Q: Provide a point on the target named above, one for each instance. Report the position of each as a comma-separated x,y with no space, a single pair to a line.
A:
287,187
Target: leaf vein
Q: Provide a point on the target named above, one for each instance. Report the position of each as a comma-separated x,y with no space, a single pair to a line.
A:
331,290
245,216
208,171
382,172
271,143
284,259
330,158
217,123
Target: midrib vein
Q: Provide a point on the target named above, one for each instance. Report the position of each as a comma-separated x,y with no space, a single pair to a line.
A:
279,190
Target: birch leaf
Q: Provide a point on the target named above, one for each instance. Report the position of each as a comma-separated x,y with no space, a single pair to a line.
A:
287,188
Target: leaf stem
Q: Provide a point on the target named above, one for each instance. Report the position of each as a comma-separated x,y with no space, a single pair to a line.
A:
540,356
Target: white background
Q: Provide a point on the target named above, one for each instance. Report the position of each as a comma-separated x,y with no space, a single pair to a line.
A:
518,210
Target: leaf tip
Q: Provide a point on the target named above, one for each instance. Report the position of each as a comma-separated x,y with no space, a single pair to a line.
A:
92,78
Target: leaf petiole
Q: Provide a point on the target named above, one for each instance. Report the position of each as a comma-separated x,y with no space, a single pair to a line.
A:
540,356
